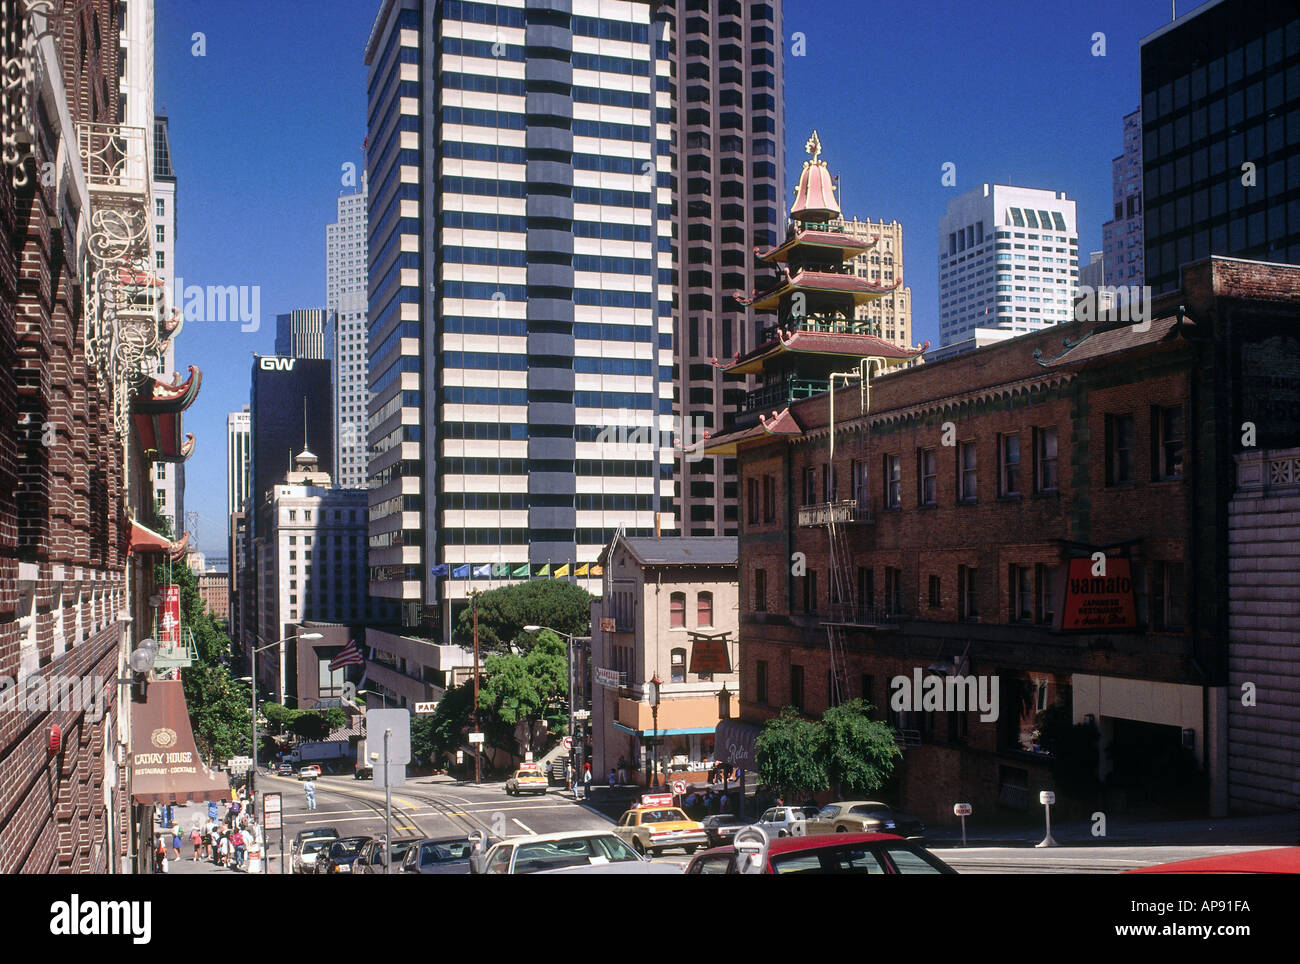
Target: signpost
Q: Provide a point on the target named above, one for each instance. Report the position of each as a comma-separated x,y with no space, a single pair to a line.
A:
240,764
1047,798
962,810
476,737
608,678
272,814
396,727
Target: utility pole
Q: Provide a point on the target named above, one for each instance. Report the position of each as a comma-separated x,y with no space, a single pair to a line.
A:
478,747
388,805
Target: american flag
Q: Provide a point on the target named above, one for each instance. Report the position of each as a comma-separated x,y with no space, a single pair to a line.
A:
350,656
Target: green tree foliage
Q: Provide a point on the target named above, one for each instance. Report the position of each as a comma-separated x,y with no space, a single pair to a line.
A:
789,755
527,688
857,752
504,612
443,733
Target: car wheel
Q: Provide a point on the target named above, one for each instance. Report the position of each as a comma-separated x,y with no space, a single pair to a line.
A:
841,829
690,850
655,851
639,847
782,833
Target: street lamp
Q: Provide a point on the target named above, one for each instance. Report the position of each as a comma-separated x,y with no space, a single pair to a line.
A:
253,670
655,684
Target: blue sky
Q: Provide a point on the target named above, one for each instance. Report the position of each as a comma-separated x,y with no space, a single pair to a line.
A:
262,124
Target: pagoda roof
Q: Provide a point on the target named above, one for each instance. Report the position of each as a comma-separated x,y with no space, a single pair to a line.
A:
827,282
839,344
156,411
158,395
780,423
815,193
847,245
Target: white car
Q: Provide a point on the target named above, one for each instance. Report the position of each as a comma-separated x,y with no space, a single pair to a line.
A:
781,821
310,772
592,852
304,857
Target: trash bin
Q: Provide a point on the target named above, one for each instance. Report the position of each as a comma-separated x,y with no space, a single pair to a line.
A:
255,858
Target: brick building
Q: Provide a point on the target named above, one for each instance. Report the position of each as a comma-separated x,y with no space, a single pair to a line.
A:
980,488
214,590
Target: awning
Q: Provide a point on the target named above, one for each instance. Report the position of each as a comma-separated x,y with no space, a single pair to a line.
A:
165,764
734,744
144,539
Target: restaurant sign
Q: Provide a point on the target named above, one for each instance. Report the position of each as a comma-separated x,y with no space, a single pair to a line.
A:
709,654
1099,598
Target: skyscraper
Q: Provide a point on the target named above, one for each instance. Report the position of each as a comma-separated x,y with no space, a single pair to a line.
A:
890,317
237,459
286,416
1008,258
1122,248
345,329
514,323
301,334
1220,129
720,117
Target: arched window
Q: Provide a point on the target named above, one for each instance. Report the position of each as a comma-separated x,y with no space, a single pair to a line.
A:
679,665
704,609
677,610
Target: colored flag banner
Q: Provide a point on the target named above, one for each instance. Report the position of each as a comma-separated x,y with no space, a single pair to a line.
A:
501,569
483,572
441,570
521,572
582,569
461,572
350,656
545,570
562,571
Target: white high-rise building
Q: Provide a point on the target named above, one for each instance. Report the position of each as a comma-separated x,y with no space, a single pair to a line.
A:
1008,259
238,442
345,332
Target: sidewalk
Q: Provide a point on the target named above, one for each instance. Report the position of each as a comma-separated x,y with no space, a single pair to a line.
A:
185,815
1265,830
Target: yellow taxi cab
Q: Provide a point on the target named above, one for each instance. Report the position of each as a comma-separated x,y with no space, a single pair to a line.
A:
527,779
656,825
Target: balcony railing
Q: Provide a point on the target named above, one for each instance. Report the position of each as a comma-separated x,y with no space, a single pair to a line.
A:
833,326
778,395
181,654
847,512
864,614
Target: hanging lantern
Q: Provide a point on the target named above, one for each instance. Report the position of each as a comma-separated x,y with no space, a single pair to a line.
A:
56,739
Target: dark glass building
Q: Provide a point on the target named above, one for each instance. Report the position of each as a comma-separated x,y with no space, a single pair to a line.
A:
1221,137
281,388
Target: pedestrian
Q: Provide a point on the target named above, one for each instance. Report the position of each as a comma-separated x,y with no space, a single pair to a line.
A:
223,850
310,788
196,838
160,856
237,840
568,774
612,777
176,841
622,770
586,782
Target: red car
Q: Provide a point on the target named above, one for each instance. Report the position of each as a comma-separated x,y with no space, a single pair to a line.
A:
754,852
1280,860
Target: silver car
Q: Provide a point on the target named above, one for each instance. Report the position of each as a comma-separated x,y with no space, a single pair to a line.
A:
304,856
786,821
598,852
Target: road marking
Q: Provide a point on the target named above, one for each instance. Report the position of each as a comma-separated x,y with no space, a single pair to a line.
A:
527,829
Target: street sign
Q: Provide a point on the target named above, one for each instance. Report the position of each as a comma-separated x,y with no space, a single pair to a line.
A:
582,714
271,803
273,821
476,737
395,776
679,787
961,809
609,678
1046,797
656,799
240,764
567,743
429,707
399,744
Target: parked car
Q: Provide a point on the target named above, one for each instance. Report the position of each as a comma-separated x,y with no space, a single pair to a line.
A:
438,855
599,852
655,829
306,853
864,816
371,858
311,771
1276,860
754,852
341,855
721,827
780,821
363,773
302,835
526,780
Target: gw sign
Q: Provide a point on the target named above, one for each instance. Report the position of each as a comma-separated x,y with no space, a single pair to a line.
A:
276,364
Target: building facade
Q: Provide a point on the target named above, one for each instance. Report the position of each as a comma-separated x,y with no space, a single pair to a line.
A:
1220,125
285,416
214,590
1045,522
238,456
169,479
720,138
345,330
1122,244
1008,258
515,325
889,317
301,334
668,611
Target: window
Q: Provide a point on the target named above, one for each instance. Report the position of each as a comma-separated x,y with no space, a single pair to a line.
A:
893,590
829,480
751,498
677,610
809,485
1168,435
810,591
1045,456
769,498
1119,449
796,687
936,595
1022,594
677,663
760,590
1010,480
966,479
1046,577
704,610
893,482
293,515
967,593
760,681
866,587
860,493
1168,592
927,471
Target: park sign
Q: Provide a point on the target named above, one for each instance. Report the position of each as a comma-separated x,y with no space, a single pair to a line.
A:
1099,602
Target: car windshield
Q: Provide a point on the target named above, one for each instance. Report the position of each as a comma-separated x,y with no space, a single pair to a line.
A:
316,844
661,816
399,848
525,774
347,847
828,813
828,860
871,811
437,853
571,852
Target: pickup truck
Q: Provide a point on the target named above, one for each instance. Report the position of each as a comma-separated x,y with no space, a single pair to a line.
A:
310,772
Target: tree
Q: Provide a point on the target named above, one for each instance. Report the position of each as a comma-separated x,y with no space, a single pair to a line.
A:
789,755
857,753
443,733
504,612
527,688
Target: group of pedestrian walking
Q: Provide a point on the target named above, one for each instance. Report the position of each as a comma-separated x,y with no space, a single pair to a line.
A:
226,839
573,781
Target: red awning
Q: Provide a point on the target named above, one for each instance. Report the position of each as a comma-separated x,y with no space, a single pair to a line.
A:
144,539
165,764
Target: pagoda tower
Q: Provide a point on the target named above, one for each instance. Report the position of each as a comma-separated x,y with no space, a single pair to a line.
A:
815,296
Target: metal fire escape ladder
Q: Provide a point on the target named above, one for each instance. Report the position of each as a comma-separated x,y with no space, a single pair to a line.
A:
843,606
